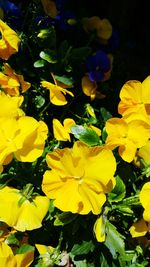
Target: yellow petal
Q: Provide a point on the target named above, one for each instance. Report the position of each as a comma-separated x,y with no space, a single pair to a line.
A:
28,216
50,8
42,249
33,135
104,30
139,228
99,229
10,41
60,133
68,123
145,200
24,260
89,88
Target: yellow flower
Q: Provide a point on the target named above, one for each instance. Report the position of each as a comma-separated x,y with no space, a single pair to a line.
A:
9,141
24,137
126,136
139,228
57,92
32,134
50,8
62,132
20,211
102,27
11,83
7,257
89,88
99,229
135,98
10,106
145,201
79,178
9,41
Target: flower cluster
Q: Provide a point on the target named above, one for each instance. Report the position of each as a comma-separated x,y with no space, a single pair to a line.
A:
74,172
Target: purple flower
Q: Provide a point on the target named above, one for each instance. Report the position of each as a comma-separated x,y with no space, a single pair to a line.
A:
13,13
10,8
97,65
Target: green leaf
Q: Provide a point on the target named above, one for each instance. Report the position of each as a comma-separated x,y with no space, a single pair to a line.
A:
86,135
12,240
63,49
48,55
64,218
64,79
81,263
24,249
84,248
39,63
39,101
118,192
103,261
105,114
114,240
124,209
104,134
80,53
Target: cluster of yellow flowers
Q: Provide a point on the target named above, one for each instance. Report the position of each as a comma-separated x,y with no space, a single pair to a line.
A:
131,133
79,177
23,138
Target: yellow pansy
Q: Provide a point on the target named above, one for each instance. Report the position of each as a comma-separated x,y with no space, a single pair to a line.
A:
50,8
139,228
9,141
20,211
33,134
10,106
89,88
9,41
135,98
7,257
99,229
145,201
12,83
57,92
62,132
24,137
102,27
126,136
79,178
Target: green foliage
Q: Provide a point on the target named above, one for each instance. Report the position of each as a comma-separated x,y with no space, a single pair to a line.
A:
118,192
24,249
49,56
64,218
85,134
114,240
